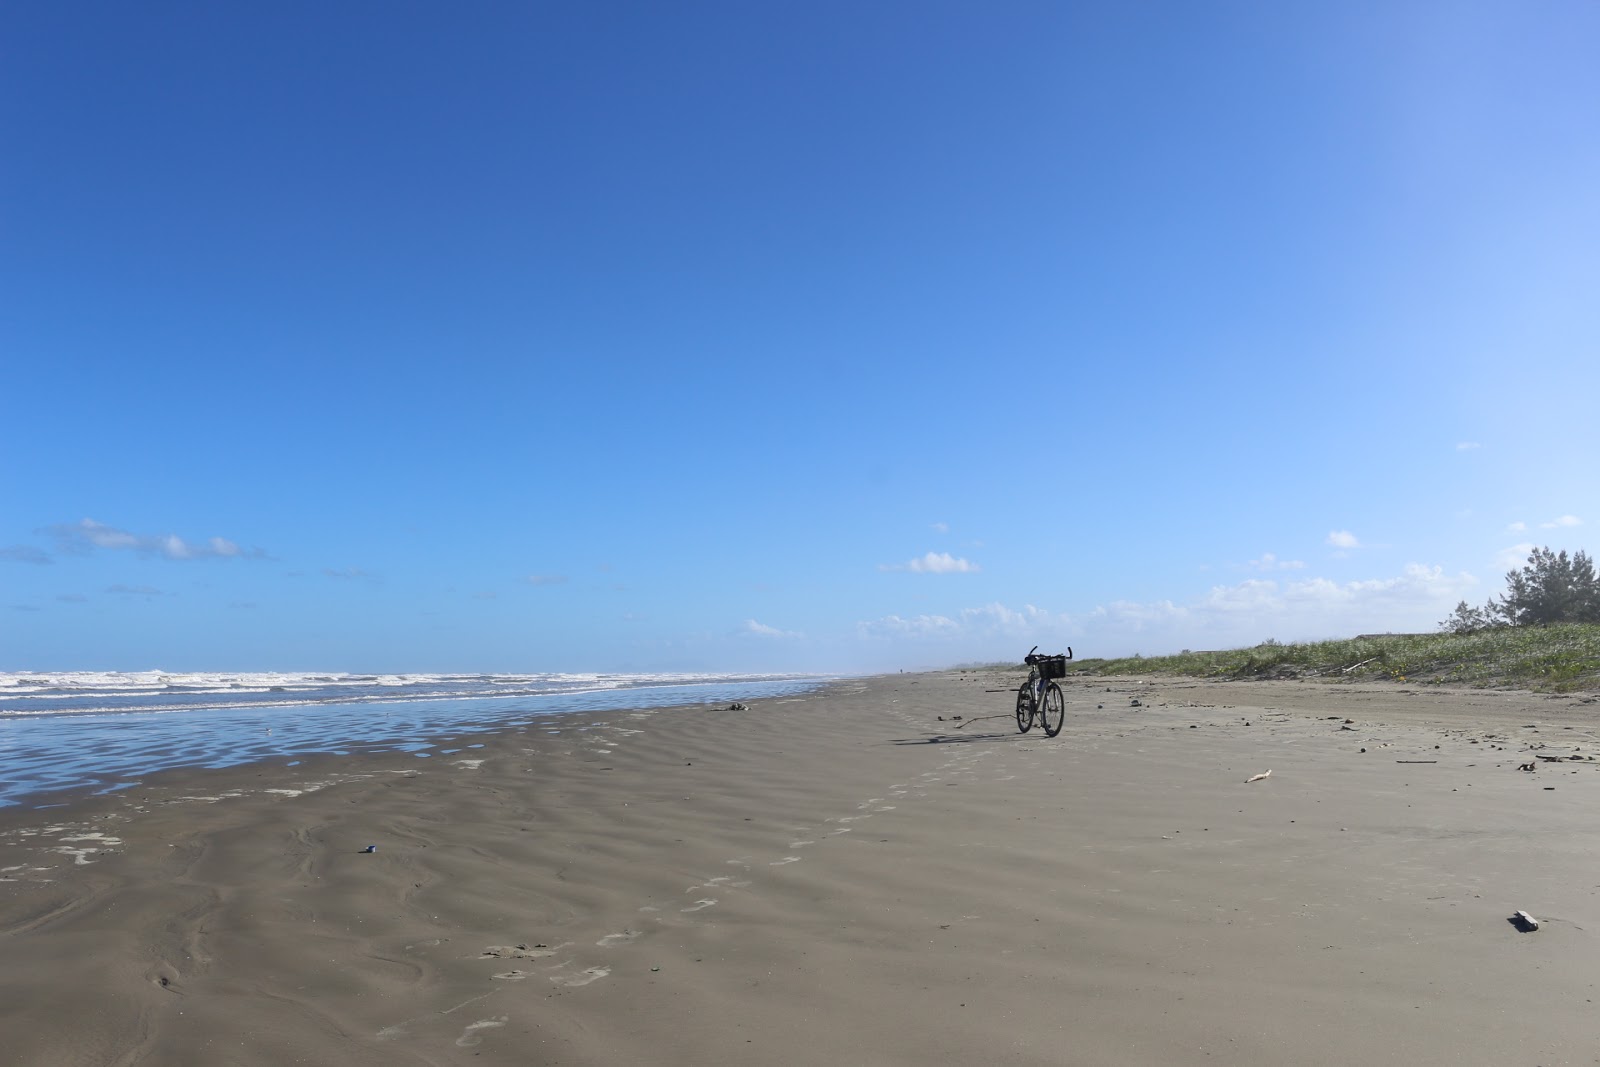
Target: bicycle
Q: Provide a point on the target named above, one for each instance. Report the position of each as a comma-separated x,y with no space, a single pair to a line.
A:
1040,697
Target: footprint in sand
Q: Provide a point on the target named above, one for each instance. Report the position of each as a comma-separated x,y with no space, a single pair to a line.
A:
512,976
800,844
710,883
520,952
617,939
582,978
700,905
469,1036
786,859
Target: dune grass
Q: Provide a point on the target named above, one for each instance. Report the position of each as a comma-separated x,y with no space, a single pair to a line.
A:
1546,658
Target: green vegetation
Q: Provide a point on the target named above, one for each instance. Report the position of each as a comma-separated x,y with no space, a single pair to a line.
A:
1559,658
1552,588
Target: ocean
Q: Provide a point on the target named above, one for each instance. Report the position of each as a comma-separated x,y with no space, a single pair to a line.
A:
102,730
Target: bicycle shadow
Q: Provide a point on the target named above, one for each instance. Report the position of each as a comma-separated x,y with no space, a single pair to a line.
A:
957,739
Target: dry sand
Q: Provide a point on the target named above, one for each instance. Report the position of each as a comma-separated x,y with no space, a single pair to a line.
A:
843,878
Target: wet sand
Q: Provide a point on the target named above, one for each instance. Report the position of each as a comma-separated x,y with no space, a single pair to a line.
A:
844,877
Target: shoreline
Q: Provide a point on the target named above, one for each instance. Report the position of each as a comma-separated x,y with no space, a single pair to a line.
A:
842,876
124,745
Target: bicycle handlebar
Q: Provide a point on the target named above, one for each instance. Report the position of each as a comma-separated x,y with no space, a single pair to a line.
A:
1030,659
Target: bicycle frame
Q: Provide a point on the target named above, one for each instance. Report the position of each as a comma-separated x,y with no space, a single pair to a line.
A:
1036,680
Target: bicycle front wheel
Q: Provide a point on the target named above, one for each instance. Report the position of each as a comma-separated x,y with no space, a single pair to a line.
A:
1025,707
1055,710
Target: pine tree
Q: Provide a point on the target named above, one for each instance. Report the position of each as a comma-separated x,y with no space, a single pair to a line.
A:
1551,588
1466,620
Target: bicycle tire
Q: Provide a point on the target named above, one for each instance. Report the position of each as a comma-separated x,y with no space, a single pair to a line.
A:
1025,708
1054,713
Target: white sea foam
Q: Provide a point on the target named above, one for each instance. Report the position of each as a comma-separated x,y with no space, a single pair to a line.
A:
103,729
104,692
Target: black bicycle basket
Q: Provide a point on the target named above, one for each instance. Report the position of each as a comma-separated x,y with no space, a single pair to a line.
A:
1052,667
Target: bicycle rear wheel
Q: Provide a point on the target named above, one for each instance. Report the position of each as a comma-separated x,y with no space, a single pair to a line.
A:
1025,707
1054,713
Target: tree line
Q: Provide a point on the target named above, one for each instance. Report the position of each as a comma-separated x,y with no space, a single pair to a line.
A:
1551,588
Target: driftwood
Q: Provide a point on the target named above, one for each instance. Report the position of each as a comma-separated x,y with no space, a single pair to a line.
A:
1416,761
1525,922
1353,666
1257,778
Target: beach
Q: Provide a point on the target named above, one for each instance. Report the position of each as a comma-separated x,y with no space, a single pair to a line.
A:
873,872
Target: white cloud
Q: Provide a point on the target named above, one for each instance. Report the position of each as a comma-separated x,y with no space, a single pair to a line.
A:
1467,446
1226,616
760,629
1517,527
1343,539
986,621
933,563
87,535
1321,607
1269,562
1513,557
917,626
941,527
1564,522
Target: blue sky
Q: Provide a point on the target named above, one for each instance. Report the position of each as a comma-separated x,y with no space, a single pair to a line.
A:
765,337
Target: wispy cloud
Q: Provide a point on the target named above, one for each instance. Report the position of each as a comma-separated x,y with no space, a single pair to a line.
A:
1563,523
1467,446
761,629
350,574
993,619
1343,539
134,590
1226,616
1512,557
914,626
940,527
86,535
1517,527
1269,562
547,579
72,598
933,563
25,554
